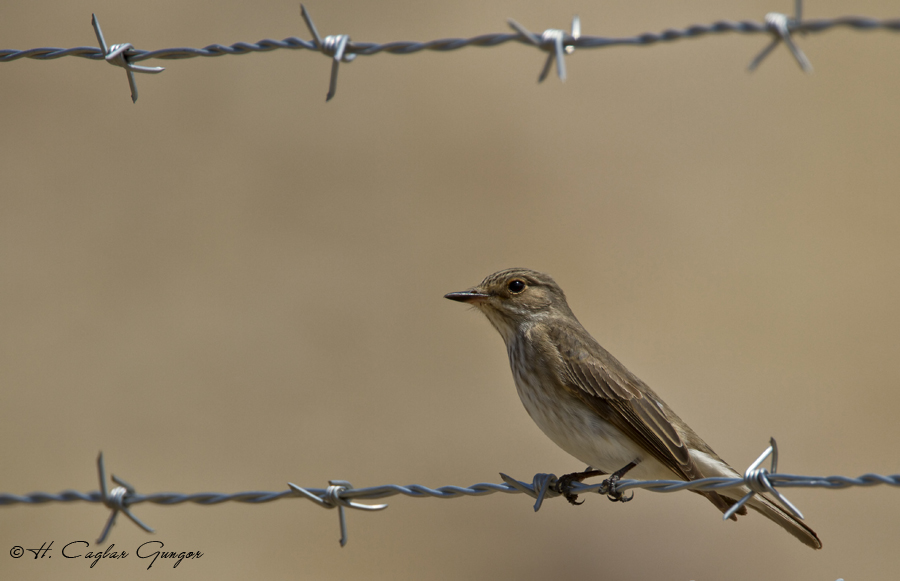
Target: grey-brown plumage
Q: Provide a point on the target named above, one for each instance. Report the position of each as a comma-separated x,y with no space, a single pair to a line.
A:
589,404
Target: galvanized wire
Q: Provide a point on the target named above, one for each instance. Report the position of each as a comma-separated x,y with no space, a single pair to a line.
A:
448,44
340,494
420,491
553,41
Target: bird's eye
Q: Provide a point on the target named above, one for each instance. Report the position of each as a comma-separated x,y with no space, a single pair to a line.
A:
515,286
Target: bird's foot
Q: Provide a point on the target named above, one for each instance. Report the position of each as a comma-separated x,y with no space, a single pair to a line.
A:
564,484
609,488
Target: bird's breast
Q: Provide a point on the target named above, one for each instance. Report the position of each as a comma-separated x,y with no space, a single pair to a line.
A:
565,419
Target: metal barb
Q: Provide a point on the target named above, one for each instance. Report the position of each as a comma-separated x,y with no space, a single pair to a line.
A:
557,43
116,55
542,484
781,25
331,498
116,500
542,487
757,480
334,46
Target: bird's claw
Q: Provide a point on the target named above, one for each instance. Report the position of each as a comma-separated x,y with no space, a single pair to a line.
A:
564,486
619,497
609,488
564,483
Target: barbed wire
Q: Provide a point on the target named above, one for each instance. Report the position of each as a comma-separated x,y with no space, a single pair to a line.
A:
556,43
340,494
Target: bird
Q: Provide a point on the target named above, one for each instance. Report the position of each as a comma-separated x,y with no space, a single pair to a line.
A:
590,405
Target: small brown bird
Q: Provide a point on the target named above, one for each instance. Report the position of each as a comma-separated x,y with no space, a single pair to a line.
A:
591,406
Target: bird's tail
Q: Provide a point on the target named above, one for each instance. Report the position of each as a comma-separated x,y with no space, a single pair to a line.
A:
766,507
761,503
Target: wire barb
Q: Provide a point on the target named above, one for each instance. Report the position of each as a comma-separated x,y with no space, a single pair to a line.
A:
757,480
781,26
557,43
542,486
117,55
116,500
332,498
334,46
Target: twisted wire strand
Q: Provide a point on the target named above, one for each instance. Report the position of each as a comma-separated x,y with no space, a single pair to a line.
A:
480,489
448,44
340,494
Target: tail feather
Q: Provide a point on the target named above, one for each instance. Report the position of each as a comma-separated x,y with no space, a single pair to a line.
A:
712,465
764,505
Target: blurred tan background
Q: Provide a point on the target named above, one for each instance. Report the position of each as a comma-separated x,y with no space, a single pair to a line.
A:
232,284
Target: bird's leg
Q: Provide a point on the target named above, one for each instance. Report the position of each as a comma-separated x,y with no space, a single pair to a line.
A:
564,483
610,483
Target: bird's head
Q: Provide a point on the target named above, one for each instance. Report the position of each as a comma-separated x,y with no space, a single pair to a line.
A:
515,298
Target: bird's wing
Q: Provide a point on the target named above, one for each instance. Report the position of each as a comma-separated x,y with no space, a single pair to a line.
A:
619,397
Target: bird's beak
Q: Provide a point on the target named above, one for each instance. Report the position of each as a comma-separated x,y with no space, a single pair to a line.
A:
469,296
